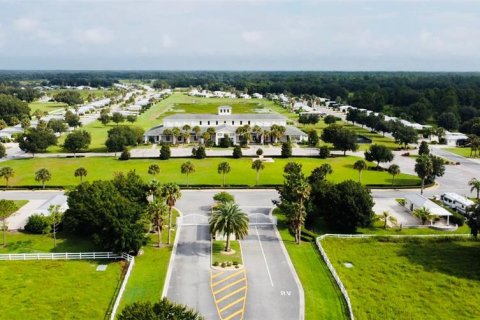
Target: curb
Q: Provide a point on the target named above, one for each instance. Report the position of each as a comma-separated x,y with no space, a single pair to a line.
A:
168,276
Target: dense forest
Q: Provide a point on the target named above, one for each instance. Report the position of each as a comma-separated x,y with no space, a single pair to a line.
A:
451,98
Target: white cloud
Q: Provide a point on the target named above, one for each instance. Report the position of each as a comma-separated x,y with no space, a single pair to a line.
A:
96,35
32,28
167,41
252,36
26,24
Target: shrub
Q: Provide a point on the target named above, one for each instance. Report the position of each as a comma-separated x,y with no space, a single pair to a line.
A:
225,142
223,265
286,150
235,263
125,155
259,151
37,224
165,152
237,152
199,153
324,152
229,263
457,218
215,264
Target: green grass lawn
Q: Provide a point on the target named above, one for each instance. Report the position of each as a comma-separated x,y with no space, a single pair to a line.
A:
148,274
323,299
57,289
464,152
409,279
218,257
18,204
62,170
22,242
46,106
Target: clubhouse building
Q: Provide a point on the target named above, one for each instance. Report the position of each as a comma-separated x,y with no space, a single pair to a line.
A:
225,124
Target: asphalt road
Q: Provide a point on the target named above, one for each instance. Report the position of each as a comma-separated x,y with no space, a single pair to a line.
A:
273,290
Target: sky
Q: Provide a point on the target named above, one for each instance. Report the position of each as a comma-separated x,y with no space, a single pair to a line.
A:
344,35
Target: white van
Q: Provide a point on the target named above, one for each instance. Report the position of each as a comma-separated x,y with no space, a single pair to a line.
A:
456,202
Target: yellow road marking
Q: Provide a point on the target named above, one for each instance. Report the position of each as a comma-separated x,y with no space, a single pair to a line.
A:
228,277
217,274
231,294
228,286
211,289
234,314
232,304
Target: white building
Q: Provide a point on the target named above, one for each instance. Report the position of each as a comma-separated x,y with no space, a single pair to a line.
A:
415,201
454,138
225,123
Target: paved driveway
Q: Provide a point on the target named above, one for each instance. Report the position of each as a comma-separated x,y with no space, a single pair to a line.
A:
273,288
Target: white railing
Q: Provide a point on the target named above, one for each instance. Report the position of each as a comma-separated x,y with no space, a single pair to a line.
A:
359,236
65,256
122,288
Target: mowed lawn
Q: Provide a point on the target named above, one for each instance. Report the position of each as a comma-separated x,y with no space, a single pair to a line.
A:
409,279
464,152
57,289
323,299
46,106
62,170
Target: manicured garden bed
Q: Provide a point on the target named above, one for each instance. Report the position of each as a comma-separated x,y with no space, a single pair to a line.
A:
222,259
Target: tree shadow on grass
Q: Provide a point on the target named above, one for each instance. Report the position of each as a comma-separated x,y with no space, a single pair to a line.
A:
458,258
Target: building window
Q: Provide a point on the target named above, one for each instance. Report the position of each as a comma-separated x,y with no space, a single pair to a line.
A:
249,122
224,122
233,123
208,122
241,122
200,122
216,122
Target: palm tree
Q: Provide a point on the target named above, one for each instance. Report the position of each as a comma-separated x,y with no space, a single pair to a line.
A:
424,214
386,217
258,165
302,193
360,165
223,169
393,170
171,193
196,130
277,131
6,208
176,134
474,183
266,134
157,210
6,173
153,169
258,132
43,175
423,168
474,145
228,219
80,172
167,132
187,168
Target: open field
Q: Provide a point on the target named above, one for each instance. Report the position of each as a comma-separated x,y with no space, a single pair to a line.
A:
409,278
96,93
18,204
323,299
22,242
148,274
46,106
62,170
218,257
464,152
57,289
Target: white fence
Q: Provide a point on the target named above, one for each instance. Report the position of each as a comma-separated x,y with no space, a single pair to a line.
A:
66,256
359,236
122,288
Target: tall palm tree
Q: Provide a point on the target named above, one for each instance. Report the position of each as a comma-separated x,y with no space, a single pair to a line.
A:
171,193
187,168
176,133
258,132
223,169
157,210
258,165
266,135
423,168
297,219
474,183
80,172
168,132
424,214
474,145
228,219
360,165
394,170
277,131
196,130
153,169
6,173
386,217
6,208
43,175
